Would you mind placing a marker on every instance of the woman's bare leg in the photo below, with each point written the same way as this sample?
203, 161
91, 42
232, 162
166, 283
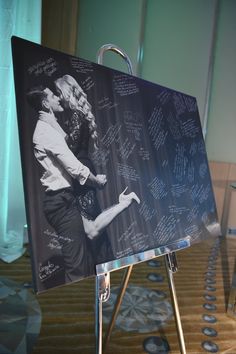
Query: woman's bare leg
94, 228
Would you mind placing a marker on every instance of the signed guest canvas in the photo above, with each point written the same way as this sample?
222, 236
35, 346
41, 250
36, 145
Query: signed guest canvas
113, 165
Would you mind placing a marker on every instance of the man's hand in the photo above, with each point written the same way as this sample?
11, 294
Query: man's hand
97, 181
101, 180
47, 117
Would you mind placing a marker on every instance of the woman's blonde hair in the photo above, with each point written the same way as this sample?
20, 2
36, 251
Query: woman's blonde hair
71, 92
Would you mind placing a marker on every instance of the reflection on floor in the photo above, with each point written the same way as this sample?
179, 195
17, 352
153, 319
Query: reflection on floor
142, 310
20, 318
145, 323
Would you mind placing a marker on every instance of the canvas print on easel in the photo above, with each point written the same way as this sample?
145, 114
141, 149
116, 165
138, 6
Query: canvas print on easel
112, 165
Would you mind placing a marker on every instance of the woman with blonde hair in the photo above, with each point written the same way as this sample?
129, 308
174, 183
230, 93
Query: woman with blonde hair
81, 129
74, 98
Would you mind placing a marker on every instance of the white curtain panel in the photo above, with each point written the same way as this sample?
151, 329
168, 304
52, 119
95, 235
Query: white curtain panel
23, 19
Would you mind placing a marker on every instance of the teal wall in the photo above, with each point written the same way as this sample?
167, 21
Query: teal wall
114, 21
177, 45
176, 38
221, 133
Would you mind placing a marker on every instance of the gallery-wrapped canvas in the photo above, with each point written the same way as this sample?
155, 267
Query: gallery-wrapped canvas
113, 165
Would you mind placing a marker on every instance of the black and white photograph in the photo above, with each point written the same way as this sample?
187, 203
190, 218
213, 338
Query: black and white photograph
113, 165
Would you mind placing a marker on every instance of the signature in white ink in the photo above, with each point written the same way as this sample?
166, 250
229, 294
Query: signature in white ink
55, 236
45, 271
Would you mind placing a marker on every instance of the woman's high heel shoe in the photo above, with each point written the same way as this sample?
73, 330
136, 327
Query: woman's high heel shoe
128, 197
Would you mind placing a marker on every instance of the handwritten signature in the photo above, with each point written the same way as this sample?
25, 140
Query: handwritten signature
45, 271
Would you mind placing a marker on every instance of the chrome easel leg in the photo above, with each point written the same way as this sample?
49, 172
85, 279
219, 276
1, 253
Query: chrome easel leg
172, 267
123, 286
102, 293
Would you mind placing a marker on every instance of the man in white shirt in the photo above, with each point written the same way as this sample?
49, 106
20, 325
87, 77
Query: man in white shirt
60, 166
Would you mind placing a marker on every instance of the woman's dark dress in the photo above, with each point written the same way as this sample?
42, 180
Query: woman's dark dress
77, 129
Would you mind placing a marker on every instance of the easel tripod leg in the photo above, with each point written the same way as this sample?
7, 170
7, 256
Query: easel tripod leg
102, 293
98, 318
119, 299
172, 267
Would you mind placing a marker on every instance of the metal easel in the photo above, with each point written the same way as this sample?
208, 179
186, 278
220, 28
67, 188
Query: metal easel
102, 291
103, 280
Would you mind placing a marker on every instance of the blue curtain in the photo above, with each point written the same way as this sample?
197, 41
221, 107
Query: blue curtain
23, 19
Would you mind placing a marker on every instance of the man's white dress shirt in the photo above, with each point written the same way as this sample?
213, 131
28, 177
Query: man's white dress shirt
52, 152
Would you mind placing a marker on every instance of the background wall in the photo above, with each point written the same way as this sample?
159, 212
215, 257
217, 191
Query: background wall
170, 43
117, 22
177, 45
221, 134
59, 24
